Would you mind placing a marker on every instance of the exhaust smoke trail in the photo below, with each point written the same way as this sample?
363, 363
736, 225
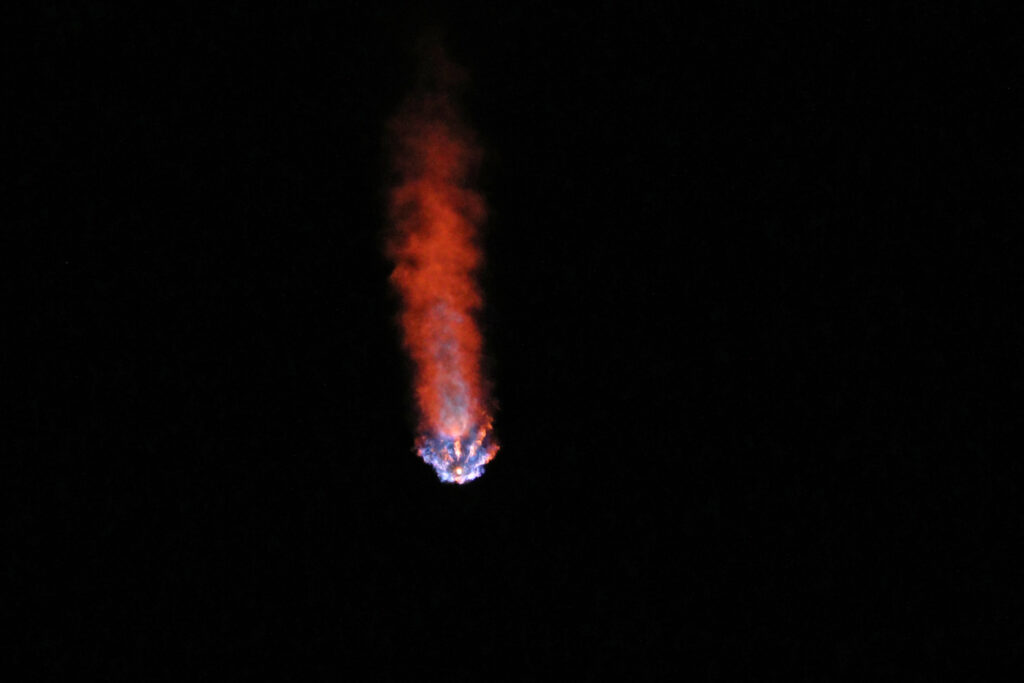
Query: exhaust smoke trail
434, 243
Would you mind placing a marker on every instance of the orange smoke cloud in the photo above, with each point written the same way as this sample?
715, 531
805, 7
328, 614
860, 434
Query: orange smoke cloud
434, 244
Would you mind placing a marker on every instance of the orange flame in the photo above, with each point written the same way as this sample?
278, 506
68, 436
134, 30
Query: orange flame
435, 218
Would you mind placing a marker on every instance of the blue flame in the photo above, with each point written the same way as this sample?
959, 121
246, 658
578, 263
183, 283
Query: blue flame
457, 459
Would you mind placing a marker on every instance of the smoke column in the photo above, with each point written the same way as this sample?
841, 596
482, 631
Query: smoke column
434, 243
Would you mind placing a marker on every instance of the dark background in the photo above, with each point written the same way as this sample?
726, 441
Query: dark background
748, 317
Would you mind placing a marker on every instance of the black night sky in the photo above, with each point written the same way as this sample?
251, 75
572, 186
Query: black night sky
748, 321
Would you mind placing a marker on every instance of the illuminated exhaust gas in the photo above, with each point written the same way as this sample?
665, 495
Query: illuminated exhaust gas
434, 243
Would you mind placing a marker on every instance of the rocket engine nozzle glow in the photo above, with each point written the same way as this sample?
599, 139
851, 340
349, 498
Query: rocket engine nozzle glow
458, 459
434, 242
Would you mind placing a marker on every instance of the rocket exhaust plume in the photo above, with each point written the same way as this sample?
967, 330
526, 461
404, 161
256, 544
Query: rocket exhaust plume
433, 241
